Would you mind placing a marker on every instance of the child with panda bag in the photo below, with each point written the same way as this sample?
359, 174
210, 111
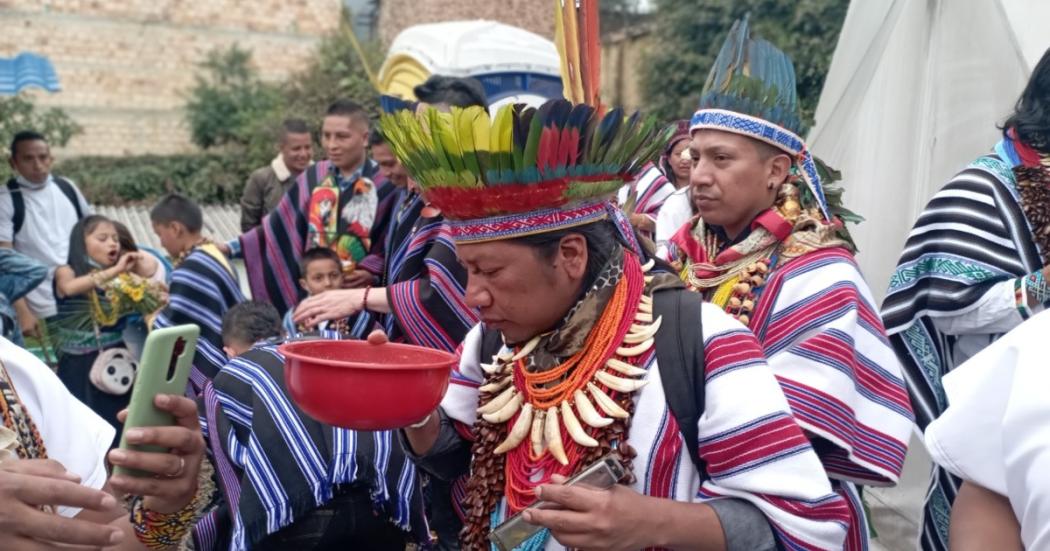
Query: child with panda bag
94, 361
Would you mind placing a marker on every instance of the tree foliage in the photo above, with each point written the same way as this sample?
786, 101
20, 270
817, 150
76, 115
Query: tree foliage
688, 35
231, 108
18, 113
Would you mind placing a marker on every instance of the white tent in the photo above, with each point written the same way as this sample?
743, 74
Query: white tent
914, 93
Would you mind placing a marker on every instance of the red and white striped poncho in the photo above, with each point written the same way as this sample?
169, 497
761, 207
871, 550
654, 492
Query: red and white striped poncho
753, 448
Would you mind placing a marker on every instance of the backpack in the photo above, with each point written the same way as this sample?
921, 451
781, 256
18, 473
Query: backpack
19, 203
680, 354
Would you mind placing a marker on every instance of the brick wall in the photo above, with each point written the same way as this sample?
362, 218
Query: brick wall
532, 15
126, 65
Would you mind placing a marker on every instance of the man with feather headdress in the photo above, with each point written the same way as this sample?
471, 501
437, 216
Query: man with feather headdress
564, 367
769, 247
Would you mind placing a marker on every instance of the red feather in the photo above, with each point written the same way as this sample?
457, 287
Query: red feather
590, 51
546, 157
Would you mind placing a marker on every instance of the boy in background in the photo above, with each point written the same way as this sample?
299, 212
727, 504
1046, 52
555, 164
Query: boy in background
321, 271
203, 284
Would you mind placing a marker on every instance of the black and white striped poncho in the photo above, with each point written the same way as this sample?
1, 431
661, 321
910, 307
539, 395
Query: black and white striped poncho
972, 235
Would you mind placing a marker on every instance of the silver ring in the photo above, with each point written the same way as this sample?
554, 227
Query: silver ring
181, 469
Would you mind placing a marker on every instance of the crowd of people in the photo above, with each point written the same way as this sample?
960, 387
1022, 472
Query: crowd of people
687, 299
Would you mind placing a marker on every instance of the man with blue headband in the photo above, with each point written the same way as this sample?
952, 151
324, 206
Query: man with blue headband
770, 248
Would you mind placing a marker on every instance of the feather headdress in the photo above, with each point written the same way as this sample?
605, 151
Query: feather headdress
751, 91
527, 170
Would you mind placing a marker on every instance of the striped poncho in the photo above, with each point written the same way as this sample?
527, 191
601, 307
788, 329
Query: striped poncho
425, 283
953, 293
203, 287
651, 189
273, 249
819, 328
276, 464
752, 447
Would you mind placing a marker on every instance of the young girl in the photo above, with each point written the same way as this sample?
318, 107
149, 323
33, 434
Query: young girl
87, 324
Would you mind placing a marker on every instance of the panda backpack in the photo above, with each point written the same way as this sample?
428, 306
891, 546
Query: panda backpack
113, 371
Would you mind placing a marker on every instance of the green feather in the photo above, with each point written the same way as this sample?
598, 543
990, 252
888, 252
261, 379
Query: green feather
533, 143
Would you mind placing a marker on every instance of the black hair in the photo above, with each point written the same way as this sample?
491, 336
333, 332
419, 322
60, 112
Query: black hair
250, 322
1031, 117
347, 108
292, 126
453, 91
78, 258
315, 254
601, 237
25, 136
375, 137
174, 207
127, 241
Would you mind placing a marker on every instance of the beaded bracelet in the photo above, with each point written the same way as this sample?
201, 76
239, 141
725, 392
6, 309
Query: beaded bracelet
161, 530
165, 530
1037, 288
364, 300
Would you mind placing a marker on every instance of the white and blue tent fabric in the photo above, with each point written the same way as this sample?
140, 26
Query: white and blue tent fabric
915, 92
24, 70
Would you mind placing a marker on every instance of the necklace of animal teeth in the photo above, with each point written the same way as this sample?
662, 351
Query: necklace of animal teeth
580, 397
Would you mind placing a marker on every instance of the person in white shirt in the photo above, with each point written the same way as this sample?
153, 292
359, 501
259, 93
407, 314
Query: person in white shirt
54, 487
37, 212
995, 435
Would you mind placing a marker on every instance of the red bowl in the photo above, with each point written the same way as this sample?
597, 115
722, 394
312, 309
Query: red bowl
362, 386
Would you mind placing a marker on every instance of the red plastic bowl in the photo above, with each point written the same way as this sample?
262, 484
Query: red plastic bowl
362, 386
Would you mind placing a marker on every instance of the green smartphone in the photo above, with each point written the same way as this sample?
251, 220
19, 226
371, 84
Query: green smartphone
164, 369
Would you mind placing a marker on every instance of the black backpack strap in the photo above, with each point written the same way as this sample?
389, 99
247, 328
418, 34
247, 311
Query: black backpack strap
18, 203
680, 356
71, 193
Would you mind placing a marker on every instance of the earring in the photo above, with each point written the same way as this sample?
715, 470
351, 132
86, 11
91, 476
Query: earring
772, 185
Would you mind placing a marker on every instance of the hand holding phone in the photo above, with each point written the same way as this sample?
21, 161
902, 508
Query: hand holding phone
601, 475
164, 369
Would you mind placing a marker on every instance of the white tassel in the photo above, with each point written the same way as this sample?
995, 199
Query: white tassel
625, 368
608, 405
538, 446
645, 333
518, 432
619, 383
505, 412
587, 411
498, 402
552, 432
575, 429
496, 386
636, 350
526, 350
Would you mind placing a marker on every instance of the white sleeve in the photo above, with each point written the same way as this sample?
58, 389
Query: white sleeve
994, 313
7, 217
461, 400
995, 431
73, 435
966, 439
675, 212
